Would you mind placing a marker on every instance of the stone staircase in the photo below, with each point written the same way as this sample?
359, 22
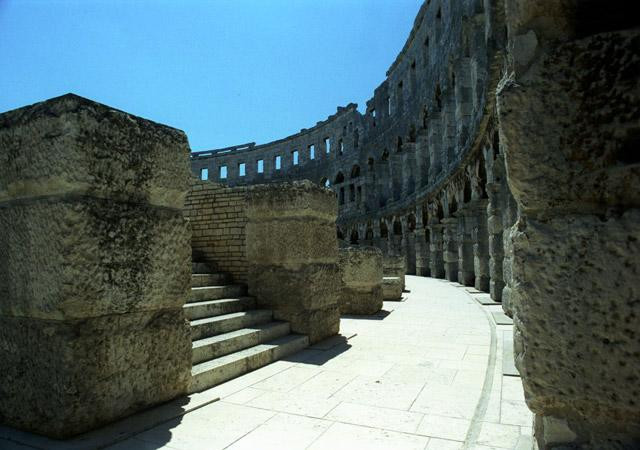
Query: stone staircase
230, 337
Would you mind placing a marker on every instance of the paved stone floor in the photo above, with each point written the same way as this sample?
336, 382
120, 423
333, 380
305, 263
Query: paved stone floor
426, 373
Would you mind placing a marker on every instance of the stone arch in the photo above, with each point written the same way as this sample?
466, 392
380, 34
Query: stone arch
384, 231
411, 222
397, 227
355, 171
339, 178
354, 238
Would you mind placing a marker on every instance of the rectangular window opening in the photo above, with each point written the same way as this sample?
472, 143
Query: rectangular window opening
278, 162
294, 157
327, 145
260, 166
223, 172
312, 152
242, 169
204, 174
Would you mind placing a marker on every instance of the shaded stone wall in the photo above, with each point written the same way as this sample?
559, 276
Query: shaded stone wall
94, 266
569, 121
218, 220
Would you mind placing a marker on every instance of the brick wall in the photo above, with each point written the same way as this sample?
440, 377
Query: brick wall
217, 217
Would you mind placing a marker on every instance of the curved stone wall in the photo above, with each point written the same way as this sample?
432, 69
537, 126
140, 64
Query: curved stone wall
416, 156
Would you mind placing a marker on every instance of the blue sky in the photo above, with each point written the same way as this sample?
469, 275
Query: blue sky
224, 71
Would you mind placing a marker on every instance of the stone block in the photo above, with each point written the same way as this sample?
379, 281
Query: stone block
60, 378
72, 145
395, 266
392, 288
361, 272
86, 257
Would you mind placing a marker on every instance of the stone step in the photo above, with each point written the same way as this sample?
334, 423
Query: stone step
200, 294
211, 308
211, 326
226, 343
210, 279
214, 372
201, 267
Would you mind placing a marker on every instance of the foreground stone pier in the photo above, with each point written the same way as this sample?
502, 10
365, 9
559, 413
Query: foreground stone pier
95, 265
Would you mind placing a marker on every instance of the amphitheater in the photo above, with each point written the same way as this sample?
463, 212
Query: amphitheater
454, 268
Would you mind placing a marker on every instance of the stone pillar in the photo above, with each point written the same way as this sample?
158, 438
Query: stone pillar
95, 265
436, 263
361, 289
576, 241
422, 248
292, 252
496, 251
395, 266
480, 237
509, 213
466, 271
450, 248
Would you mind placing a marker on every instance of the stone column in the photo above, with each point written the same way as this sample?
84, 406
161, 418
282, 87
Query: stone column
95, 265
361, 289
292, 252
576, 241
480, 237
496, 251
436, 263
422, 248
450, 248
466, 273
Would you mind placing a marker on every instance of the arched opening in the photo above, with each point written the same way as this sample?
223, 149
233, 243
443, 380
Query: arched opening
353, 240
324, 181
466, 194
411, 222
369, 233
440, 212
397, 228
453, 205
385, 155
425, 117
482, 175
355, 171
384, 231
340, 234
371, 164
339, 178
399, 145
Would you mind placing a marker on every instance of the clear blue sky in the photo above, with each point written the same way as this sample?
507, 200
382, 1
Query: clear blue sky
224, 71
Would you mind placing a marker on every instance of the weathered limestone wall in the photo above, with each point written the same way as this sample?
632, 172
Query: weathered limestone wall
569, 124
361, 270
218, 221
292, 251
94, 266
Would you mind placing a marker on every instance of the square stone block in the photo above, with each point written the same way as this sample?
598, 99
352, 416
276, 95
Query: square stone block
89, 257
61, 378
72, 145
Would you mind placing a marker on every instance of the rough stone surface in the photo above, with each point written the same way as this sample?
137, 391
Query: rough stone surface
392, 288
81, 374
395, 266
72, 145
292, 252
86, 257
361, 290
95, 266
575, 246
